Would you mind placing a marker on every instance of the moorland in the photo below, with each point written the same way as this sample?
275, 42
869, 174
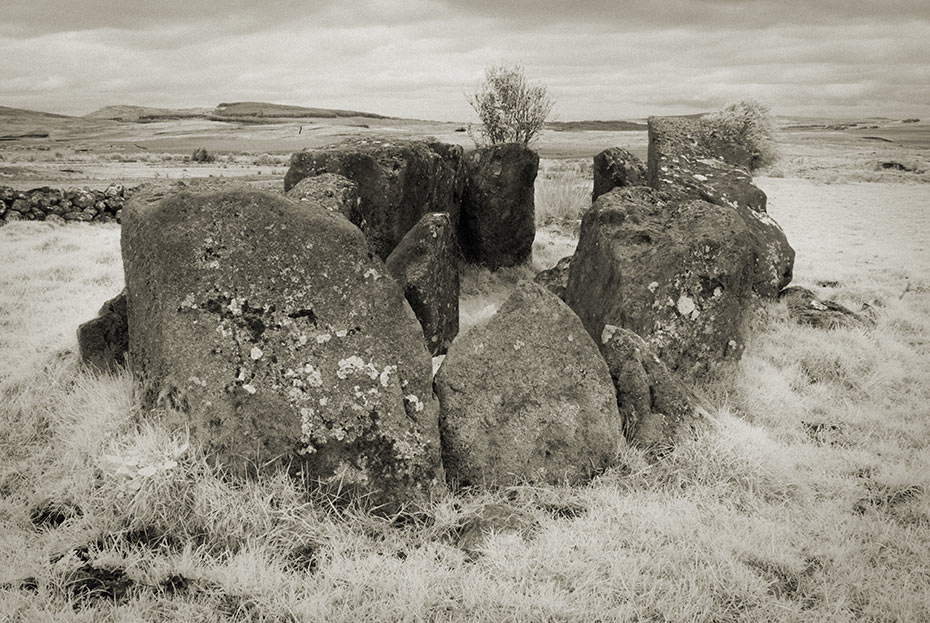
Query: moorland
807, 500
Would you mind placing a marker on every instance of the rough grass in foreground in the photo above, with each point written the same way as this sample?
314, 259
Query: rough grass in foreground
806, 501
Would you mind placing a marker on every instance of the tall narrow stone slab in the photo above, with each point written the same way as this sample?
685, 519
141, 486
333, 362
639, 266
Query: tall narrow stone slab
425, 264
498, 222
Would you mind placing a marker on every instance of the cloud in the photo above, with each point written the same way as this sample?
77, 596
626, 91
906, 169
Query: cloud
416, 59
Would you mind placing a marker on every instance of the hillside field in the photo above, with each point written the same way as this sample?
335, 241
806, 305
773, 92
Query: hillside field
808, 500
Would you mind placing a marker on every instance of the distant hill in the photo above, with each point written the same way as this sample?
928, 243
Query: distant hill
604, 126
21, 113
18, 123
242, 111
146, 113
264, 109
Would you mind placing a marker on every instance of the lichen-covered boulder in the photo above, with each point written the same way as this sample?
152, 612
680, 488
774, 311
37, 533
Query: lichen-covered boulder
328, 190
804, 307
677, 274
526, 397
556, 278
657, 409
614, 167
104, 341
687, 159
268, 329
398, 182
425, 264
498, 222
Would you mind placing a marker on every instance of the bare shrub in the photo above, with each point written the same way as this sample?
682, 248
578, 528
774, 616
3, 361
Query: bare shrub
750, 124
202, 155
510, 108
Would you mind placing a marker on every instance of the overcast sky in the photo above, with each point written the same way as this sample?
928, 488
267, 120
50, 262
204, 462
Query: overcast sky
602, 59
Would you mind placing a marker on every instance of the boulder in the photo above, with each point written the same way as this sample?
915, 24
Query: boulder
328, 190
804, 307
556, 278
268, 329
104, 341
688, 159
498, 212
677, 274
398, 182
657, 409
614, 167
526, 397
425, 264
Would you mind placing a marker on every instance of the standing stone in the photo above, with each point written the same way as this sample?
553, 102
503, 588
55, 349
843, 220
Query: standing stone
614, 167
678, 275
328, 190
527, 397
657, 409
104, 341
268, 330
425, 265
398, 182
688, 158
498, 211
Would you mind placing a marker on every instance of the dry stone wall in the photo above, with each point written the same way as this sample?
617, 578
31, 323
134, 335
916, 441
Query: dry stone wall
55, 204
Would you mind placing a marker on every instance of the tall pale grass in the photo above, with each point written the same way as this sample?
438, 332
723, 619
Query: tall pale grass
562, 191
807, 500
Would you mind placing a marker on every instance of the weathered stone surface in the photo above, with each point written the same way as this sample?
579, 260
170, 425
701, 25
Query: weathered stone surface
328, 190
806, 308
268, 329
657, 409
498, 212
556, 278
614, 167
673, 135
104, 341
425, 264
398, 182
687, 159
526, 397
679, 275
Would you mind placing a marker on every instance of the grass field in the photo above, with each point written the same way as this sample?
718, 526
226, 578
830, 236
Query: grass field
808, 500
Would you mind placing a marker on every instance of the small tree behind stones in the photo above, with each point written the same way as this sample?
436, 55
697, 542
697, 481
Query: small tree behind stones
750, 124
202, 155
511, 110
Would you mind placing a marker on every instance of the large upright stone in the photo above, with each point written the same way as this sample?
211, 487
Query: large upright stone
526, 397
677, 274
398, 182
498, 211
270, 331
688, 158
614, 167
104, 341
425, 264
